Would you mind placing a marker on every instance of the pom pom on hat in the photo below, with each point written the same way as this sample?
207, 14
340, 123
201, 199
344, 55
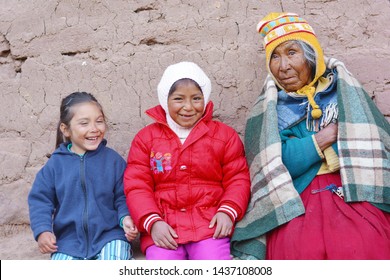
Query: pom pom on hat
277, 28
179, 71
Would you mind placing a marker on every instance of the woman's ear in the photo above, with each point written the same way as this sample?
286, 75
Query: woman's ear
65, 130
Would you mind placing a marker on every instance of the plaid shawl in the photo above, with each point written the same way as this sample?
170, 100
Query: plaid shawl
364, 152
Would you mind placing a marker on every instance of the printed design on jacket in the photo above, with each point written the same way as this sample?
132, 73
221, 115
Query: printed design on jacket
160, 162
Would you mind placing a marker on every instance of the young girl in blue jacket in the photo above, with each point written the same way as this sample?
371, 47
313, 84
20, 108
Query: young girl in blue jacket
77, 204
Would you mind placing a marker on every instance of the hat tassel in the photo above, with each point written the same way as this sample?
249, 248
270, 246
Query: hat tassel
309, 91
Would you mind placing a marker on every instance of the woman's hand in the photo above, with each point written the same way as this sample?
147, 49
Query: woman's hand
130, 229
163, 235
327, 136
47, 243
224, 225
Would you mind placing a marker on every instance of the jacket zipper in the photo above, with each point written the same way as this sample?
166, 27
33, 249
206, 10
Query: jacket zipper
85, 212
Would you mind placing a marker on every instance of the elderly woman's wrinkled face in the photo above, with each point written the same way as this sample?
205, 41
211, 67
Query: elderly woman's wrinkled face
289, 66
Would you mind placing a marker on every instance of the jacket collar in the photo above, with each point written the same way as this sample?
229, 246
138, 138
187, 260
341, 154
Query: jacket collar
158, 114
63, 149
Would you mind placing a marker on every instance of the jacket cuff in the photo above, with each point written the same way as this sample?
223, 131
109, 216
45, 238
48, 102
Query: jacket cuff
149, 221
320, 153
121, 221
230, 211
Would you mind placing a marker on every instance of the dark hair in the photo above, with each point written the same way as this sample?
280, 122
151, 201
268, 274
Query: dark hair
66, 112
181, 82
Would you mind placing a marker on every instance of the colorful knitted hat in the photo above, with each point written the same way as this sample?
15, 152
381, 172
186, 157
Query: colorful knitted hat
179, 71
277, 28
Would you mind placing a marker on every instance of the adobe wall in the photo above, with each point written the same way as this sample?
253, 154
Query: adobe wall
117, 50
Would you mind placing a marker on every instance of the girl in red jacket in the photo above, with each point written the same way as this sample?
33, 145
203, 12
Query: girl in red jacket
187, 179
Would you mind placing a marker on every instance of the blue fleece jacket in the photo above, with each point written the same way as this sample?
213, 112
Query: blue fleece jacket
80, 199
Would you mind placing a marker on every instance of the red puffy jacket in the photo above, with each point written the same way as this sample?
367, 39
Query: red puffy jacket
186, 183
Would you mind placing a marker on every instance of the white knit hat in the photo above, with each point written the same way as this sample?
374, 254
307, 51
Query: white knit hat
179, 71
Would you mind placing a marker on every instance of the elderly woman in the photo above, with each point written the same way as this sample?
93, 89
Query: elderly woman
318, 150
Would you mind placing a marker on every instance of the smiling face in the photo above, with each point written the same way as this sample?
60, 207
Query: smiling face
186, 103
86, 129
289, 66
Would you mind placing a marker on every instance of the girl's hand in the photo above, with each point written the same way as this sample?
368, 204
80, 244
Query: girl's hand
47, 243
130, 229
224, 225
163, 235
